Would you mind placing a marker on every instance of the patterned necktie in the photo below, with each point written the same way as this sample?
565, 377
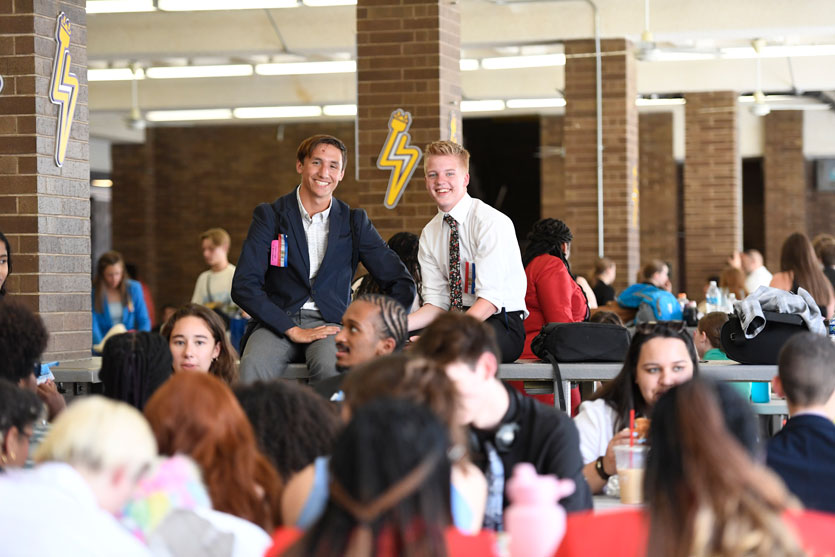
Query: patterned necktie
456, 301
494, 508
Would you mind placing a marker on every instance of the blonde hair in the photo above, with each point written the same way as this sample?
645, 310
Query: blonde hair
218, 236
100, 434
447, 148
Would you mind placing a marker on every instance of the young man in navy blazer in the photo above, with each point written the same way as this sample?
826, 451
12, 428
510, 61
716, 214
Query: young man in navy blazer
803, 452
295, 269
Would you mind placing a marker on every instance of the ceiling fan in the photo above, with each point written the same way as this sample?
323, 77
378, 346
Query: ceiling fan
135, 120
649, 50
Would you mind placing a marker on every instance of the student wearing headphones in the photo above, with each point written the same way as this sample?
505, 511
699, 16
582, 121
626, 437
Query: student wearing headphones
505, 427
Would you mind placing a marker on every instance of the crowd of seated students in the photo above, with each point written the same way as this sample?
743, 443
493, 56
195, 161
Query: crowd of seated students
384, 453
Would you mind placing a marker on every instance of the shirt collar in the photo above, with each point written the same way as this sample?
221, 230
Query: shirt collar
318, 217
461, 209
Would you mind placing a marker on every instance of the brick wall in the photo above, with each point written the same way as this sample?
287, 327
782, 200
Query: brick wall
45, 209
185, 180
552, 167
620, 160
784, 170
407, 57
659, 190
712, 186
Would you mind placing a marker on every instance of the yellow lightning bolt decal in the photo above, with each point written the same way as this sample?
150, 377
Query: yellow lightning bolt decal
399, 156
64, 91
453, 128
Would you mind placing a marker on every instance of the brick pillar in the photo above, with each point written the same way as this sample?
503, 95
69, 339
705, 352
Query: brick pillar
712, 186
552, 167
659, 191
785, 181
620, 155
44, 208
407, 57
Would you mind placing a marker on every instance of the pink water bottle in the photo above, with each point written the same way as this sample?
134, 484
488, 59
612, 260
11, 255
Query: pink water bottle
534, 519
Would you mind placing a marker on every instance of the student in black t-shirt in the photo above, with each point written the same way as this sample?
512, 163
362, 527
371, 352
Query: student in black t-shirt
604, 275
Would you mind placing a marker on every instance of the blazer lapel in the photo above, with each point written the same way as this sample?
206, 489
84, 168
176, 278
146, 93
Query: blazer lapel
294, 217
336, 218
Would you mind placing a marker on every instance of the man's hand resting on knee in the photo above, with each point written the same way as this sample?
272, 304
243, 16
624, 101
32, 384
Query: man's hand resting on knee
306, 336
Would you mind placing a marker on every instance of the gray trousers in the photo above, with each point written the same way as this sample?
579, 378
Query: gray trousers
266, 354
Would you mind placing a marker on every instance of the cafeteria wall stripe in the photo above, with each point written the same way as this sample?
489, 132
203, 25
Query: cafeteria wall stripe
712, 185
407, 58
784, 170
45, 208
659, 191
620, 155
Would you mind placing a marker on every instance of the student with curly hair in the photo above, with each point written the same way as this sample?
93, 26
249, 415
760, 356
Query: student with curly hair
197, 339
133, 366
553, 294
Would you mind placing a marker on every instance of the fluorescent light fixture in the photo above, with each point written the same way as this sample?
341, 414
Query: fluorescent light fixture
119, 6
327, 3
661, 55
178, 72
468, 64
188, 115
277, 112
511, 62
300, 68
205, 5
114, 74
769, 98
339, 110
778, 51
555, 102
658, 102
102, 183
482, 106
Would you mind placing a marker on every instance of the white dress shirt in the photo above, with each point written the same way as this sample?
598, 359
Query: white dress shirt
488, 239
316, 230
758, 277
595, 423
51, 511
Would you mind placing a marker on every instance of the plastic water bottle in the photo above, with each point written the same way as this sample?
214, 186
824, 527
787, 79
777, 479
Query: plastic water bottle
713, 298
534, 519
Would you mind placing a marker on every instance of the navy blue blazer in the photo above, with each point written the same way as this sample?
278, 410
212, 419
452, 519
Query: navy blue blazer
803, 454
272, 295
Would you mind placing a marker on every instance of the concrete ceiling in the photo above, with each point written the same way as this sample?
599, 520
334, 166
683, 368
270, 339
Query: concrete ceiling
487, 29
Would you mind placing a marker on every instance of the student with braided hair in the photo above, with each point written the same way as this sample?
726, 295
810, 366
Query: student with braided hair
133, 366
553, 295
373, 325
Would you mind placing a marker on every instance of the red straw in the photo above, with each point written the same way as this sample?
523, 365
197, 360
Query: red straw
631, 427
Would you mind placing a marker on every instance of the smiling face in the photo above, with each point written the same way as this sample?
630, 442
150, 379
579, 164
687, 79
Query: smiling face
192, 345
664, 362
320, 174
446, 180
359, 339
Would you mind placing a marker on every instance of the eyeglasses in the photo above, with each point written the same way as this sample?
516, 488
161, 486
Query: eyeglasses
653, 327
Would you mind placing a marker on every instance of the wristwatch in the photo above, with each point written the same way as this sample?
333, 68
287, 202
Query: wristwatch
598, 466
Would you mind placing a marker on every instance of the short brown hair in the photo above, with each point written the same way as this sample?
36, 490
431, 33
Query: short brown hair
805, 369
456, 336
711, 325
654, 266
826, 252
307, 146
447, 148
218, 236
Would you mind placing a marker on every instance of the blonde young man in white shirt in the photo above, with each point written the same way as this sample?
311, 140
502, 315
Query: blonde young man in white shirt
492, 278
214, 286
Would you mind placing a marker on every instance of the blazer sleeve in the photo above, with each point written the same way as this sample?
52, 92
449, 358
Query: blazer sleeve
383, 263
251, 271
140, 310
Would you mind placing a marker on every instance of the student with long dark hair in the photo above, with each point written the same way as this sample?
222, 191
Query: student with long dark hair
800, 268
389, 491
660, 356
116, 298
197, 339
553, 295
133, 366
405, 245
5, 263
